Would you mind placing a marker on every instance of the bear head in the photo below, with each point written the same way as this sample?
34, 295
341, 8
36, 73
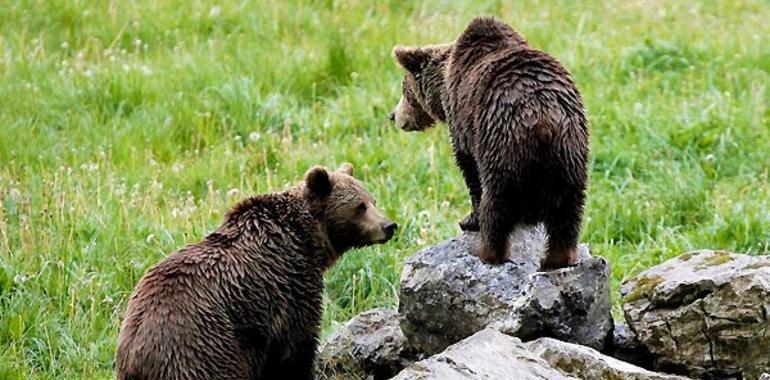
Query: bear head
421, 104
347, 211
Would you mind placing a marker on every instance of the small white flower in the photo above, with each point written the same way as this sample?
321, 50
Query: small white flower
232, 192
146, 70
177, 167
20, 279
150, 238
88, 73
107, 299
89, 166
65, 45
638, 107
126, 67
445, 204
254, 136
14, 193
215, 11
237, 137
137, 42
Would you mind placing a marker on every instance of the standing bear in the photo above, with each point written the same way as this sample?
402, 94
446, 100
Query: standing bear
518, 128
245, 303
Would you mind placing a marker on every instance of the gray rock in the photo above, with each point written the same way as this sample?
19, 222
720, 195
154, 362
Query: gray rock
625, 347
371, 345
704, 313
448, 294
486, 355
587, 363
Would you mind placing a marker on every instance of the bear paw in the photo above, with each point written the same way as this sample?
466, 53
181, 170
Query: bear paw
470, 223
554, 260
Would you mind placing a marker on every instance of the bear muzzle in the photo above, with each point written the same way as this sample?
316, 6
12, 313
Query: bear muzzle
390, 229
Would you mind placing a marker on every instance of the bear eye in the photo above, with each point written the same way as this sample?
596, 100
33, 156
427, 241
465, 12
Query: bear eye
361, 207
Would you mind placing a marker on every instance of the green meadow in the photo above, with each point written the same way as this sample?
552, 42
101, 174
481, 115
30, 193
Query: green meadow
127, 130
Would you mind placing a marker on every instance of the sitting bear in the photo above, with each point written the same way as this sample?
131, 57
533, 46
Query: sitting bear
518, 128
245, 303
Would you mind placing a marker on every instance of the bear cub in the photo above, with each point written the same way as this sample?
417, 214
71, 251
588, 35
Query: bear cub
518, 129
246, 302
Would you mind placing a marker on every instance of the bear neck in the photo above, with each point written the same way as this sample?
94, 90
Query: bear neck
297, 217
436, 94
327, 251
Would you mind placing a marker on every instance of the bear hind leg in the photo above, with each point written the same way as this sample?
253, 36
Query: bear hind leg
563, 227
497, 220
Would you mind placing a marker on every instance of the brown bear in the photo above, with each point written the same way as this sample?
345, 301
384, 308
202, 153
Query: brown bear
519, 133
245, 303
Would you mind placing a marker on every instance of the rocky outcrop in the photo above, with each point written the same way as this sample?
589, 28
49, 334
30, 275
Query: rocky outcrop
704, 314
487, 354
587, 363
371, 345
448, 294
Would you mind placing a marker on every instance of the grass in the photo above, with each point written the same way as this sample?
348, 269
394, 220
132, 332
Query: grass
128, 128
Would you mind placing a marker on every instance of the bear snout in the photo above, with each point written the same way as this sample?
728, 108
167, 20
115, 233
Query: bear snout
392, 116
390, 229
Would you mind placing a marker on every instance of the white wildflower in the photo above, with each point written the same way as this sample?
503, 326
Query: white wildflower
215, 11
232, 192
150, 238
65, 45
254, 136
177, 167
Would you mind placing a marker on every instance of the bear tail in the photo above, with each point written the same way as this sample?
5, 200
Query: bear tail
489, 32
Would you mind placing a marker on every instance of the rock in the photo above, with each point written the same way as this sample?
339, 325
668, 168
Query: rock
487, 354
625, 347
587, 363
570, 304
448, 294
704, 314
371, 345
764, 376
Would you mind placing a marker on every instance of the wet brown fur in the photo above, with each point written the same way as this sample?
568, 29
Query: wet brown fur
246, 302
519, 133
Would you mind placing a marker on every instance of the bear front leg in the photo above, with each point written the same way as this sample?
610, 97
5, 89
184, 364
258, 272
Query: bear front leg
467, 165
563, 227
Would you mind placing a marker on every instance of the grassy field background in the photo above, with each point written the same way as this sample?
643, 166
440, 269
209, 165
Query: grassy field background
127, 129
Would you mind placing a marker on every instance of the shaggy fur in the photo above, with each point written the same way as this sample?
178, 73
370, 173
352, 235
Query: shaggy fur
245, 303
518, 129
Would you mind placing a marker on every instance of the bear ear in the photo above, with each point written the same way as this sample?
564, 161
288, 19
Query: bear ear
346, 168
317, 180
412, 59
